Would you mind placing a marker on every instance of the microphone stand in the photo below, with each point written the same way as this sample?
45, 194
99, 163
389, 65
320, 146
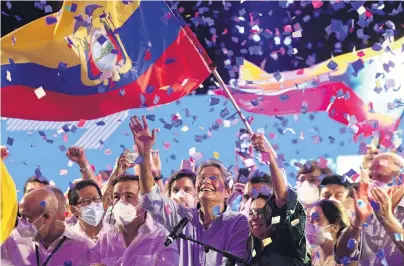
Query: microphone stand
232, 258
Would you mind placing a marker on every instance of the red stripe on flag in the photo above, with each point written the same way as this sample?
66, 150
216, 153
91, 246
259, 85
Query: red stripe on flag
21, 101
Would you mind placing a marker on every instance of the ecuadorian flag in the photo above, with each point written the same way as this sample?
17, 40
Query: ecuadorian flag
95, 58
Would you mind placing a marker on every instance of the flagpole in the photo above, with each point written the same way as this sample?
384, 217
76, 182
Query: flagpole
233, 101
231, 98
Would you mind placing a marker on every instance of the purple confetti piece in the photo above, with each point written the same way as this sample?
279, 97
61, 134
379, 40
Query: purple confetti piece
48, 9
100, 123
380, 253
351, 243
332, 65
9, 5
170, 61
375, 205
214, 101
73, 8
278, 76
122, 92
139, 160
62, 66
71, 185
150, 117
10, 141
62, 148
42, 203
216, 210
102, 39
314, 216
51, 20
170, 90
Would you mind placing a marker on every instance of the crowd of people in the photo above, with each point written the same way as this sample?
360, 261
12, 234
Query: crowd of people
116, 218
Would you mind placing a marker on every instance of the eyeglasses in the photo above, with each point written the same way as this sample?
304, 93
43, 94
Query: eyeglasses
86, 202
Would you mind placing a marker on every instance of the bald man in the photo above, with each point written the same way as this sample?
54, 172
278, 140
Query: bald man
43, 239
375, 236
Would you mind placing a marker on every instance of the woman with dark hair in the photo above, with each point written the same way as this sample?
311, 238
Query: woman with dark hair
277, 235
181, 188
326, 221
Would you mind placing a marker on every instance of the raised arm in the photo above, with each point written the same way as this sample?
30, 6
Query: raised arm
277, 175
384, 214
121, 165
144, 142
362, 211
163, 209
78, 155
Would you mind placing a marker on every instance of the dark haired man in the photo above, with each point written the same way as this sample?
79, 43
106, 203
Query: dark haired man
137, 239
85, 201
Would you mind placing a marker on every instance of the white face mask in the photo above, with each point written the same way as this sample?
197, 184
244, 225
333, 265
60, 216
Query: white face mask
307, 193
316, 234
188, 198
93, 213
124, 212
27, 229
376, 184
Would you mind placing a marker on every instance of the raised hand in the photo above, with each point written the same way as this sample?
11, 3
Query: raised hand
77, 155
371, 153
156, 163
123, 163
384, 210
362, 205
144, 141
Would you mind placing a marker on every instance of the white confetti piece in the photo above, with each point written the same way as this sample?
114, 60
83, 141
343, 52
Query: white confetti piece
52, 183
40, 93
184, 82
294, 222
63, 172
184, 129
192, 151
8, 77
70, 163
297, 34
276, 220
226, 123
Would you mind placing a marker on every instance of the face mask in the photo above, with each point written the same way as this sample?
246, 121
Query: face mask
307, 193
188, 197
27, 229
93, 213
316, 234
376, 184
124, 212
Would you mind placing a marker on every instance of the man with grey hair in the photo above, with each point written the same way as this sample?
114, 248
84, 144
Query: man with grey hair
212, 222
375, 236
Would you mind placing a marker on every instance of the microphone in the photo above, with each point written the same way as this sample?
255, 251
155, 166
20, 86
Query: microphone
176, 231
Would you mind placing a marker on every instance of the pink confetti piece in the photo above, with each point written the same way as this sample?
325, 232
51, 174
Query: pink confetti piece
167, 209
81, 123
63, 172
108, 152
65, 137
167, 145
322, 163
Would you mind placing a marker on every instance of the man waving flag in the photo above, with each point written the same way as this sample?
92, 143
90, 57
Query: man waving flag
96, 58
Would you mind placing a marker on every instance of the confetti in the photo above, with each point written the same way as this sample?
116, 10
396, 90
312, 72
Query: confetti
40, 93
276, 220
294, 222
8, 76
42, 203
167, 145
100, 123
398, 237
216, 210
266, 241
139, 160
10, 141
108, 152
63, 172
167, 209
51, 20
216, 155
